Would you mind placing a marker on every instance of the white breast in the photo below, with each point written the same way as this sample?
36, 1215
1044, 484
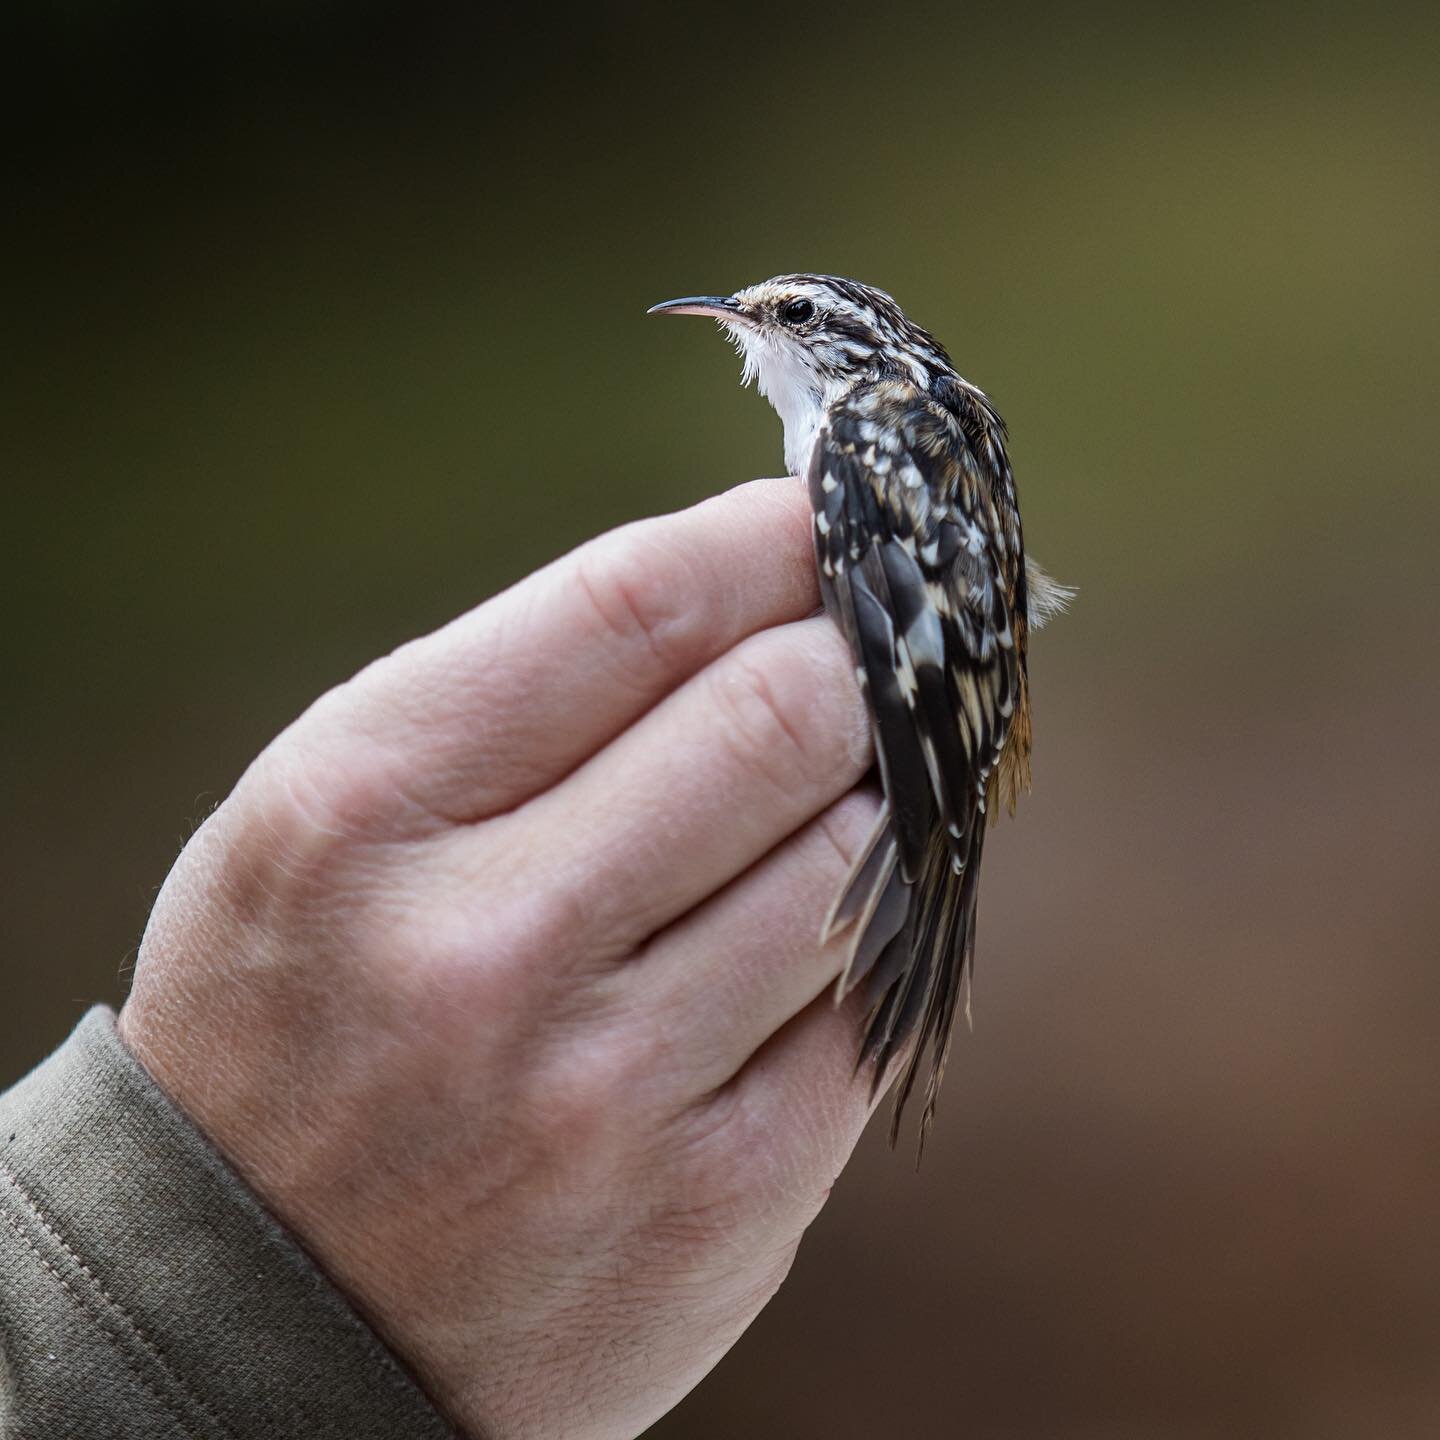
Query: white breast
790, 388
783, 377
800, 436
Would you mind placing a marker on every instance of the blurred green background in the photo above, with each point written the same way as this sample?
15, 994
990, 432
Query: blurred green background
324, 321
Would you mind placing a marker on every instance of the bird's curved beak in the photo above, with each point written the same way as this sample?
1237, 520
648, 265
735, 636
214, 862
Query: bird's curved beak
718, 307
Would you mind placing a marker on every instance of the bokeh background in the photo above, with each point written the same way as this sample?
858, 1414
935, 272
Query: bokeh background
324, 321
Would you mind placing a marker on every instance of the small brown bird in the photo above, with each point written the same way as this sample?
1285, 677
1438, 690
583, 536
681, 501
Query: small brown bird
922, 565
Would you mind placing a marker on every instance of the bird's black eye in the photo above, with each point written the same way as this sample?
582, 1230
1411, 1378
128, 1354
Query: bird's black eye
797, 312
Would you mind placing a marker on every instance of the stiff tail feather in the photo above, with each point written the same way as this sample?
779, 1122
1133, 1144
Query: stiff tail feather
911, 945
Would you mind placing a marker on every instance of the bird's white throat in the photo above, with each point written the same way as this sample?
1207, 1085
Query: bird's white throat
783, 374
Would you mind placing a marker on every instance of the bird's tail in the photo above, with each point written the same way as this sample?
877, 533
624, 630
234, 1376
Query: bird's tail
912, 947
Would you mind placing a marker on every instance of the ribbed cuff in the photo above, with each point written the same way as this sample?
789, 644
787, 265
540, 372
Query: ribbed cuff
144, 1291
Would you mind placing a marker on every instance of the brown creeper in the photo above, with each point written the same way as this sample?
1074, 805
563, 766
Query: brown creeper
922, 565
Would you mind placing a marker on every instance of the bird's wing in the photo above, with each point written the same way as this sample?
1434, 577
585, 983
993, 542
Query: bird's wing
917, 564
920, 563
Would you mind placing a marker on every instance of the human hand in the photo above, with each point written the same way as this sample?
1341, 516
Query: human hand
497, 976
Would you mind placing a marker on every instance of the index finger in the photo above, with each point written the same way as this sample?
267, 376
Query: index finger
508, 699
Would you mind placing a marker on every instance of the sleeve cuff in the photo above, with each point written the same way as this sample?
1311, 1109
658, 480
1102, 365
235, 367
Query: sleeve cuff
145, 1291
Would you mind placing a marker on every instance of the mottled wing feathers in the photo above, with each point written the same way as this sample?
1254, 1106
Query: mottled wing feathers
921, 563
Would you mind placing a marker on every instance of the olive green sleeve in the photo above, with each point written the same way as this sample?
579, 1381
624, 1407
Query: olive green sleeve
145, 1292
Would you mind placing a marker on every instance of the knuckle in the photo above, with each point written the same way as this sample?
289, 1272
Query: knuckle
708, 1134
587, 1096
759, 721
294, 835
843, 829
739, 1174
464, 970
334, 768
531, 914
314, 825
341, 801
775, 717
636, 593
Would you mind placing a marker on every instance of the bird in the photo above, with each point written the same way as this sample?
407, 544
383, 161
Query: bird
922, 565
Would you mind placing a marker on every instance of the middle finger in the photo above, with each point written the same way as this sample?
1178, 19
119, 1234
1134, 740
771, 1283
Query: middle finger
703, 786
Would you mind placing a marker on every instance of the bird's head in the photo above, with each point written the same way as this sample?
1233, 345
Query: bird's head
816, 335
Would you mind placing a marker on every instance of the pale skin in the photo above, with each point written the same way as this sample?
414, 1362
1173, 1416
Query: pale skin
497, 976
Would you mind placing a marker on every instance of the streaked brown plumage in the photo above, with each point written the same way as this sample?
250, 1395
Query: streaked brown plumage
922, 564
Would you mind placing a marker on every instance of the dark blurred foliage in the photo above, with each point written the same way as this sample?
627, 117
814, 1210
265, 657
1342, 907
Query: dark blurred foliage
323, 321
